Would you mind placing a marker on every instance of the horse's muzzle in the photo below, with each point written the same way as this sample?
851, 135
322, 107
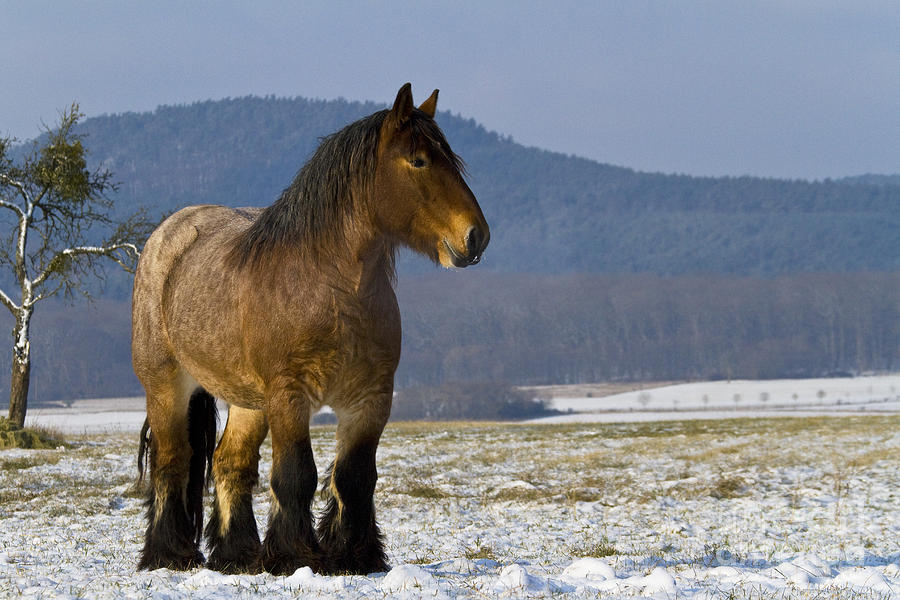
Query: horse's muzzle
476, 242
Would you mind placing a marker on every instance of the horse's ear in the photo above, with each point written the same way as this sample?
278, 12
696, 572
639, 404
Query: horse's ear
430, 106
403, 105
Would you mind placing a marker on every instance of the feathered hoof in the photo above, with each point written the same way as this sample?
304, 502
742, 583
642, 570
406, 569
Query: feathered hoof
356, 563
181, 562
234, 566
285, 565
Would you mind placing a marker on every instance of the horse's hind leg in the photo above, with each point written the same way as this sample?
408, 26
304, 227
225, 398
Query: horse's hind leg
182, 435
347, 530
231, 532
290, 541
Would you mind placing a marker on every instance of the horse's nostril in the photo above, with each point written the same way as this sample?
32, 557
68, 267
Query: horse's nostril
474, 237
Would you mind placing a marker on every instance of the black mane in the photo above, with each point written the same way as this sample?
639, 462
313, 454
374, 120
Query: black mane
330, 185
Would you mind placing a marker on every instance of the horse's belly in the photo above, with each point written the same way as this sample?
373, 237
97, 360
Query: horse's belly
224, 382
243, 396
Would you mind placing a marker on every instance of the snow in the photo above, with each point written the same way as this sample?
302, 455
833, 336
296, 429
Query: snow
762, 508
406, 577
97, 415
737, 399
866, 578
590, 568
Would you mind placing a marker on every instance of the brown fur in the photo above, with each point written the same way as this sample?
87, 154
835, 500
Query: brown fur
283, 310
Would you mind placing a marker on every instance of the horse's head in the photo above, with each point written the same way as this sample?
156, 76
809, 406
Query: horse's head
422, 199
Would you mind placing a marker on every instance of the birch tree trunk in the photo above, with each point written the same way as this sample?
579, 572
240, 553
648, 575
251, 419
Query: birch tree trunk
21, 370
18, 392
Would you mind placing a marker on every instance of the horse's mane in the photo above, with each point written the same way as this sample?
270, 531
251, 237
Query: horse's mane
311, 212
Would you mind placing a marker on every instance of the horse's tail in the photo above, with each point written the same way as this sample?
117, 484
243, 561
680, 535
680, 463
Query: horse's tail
203, 421
143, 451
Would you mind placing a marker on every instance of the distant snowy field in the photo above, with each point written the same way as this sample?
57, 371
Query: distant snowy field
734, 508
721, 399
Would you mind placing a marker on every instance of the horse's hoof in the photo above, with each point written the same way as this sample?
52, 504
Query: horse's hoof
283, 565
233, 567
232, 557
354, 565
184, 562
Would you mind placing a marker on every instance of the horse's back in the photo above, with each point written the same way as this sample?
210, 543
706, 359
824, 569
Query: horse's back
186, 231
172, 239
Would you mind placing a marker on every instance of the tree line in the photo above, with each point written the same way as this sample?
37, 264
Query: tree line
581, 328
540, 329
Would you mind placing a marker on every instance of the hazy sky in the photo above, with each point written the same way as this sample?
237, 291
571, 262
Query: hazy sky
785, 88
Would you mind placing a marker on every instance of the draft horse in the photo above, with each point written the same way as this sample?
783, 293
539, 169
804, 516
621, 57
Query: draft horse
277, 312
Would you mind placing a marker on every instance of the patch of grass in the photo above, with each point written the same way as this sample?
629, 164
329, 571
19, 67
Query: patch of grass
481, 551
60, 510
12, 436
9, 496
17, 464
523, 493
597, 549
594, 488
137, 489
716, 554
603, 459
712, 451
26, 462
583, 495
728, 486
871, 457
427, 557
423, 490
722, 488
758, 592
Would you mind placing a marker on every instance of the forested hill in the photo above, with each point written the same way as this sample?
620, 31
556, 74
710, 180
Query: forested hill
594, 272
549, 212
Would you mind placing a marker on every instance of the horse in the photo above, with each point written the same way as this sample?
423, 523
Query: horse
278, 312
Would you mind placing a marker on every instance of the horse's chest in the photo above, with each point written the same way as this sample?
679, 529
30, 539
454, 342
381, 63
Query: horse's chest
355, 359
363, 338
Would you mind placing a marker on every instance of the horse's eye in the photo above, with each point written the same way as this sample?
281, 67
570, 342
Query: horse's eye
418, 162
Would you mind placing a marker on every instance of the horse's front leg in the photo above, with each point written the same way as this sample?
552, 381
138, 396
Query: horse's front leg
350, 538
290, 541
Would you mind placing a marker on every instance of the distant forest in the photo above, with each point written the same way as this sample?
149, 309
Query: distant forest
541, 329
594, 272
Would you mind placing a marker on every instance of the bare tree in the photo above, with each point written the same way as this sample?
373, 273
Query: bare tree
55, 210
644, 398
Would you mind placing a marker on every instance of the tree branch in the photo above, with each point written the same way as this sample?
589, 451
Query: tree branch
19, 186
45, 295
12, 207
108, 251
8, 303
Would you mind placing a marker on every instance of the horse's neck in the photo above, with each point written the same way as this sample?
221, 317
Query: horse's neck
360, 270
374, 270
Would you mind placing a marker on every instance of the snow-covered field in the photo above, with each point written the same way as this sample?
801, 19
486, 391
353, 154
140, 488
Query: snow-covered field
720, 399
736, 508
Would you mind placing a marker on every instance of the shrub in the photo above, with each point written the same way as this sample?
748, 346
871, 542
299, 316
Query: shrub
12, 436
485, 401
